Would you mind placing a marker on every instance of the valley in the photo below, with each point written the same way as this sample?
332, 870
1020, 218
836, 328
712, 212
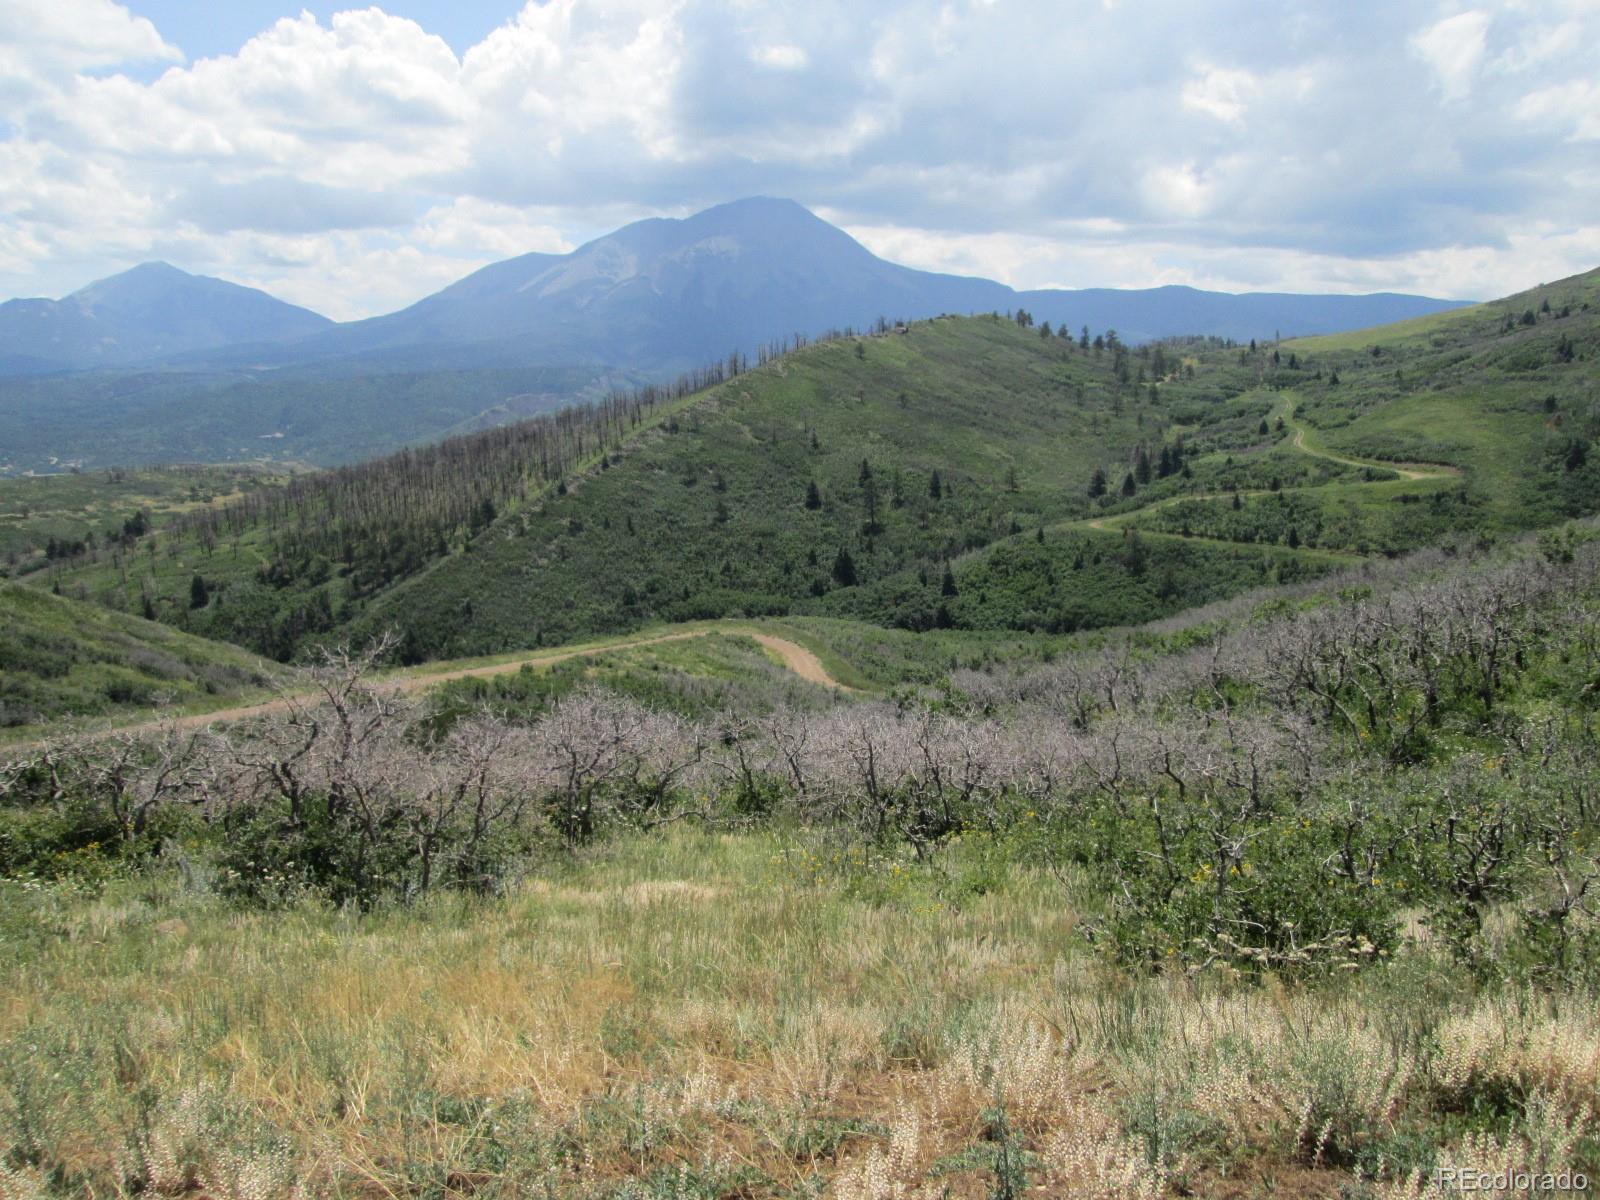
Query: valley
620, 600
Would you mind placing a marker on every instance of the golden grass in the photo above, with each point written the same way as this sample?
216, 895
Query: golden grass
694, 1016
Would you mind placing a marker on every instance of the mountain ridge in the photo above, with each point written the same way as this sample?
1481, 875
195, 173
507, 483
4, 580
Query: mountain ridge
662, 294
149, 312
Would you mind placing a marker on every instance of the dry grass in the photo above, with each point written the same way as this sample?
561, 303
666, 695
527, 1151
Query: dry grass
694, 1016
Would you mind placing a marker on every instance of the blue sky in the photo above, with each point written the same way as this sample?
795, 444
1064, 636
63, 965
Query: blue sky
356, 159
213, 27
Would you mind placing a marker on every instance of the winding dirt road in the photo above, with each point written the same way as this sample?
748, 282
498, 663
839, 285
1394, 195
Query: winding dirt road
795, 657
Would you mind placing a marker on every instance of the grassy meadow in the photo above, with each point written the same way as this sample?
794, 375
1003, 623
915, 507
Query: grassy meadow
744, 1014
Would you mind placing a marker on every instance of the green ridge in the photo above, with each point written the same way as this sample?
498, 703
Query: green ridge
60, 657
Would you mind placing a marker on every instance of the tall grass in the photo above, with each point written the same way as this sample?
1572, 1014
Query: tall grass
688, 1014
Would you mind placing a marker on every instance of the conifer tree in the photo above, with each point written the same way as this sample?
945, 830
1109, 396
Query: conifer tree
844, 569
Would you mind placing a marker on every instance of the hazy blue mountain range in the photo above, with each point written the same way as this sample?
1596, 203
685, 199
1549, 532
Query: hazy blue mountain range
662, 294
157, 365
152, 312
655, 294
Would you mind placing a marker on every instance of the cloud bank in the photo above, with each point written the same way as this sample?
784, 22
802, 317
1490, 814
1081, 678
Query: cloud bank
357, 164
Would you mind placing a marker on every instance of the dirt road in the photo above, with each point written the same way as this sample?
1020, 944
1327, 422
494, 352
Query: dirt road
794, 656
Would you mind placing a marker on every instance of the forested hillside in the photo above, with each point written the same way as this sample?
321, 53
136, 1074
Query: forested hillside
963, 472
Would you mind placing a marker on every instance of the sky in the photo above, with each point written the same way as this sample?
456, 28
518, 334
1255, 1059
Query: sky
356, 159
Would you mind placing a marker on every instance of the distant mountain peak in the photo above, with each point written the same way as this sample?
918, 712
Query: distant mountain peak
157, 266
765, 214
145, 274
150, 311
768, 206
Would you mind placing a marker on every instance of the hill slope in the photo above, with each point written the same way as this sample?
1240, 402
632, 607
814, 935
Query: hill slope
1503, 391
966, 472
59, 657
921, 448
152, 311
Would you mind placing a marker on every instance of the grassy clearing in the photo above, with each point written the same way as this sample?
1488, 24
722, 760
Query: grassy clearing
92, 507
754, 1015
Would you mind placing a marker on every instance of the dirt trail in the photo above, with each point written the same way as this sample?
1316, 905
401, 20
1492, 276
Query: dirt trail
1404, 470
1408, 471
794, 656
798, 659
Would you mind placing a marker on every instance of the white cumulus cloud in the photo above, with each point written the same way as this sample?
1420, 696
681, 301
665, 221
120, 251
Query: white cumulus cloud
1453, 48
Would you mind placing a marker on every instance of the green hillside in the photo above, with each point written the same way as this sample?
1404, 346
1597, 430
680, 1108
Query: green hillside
59, 658
967, 473
1504, 391
841, 480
